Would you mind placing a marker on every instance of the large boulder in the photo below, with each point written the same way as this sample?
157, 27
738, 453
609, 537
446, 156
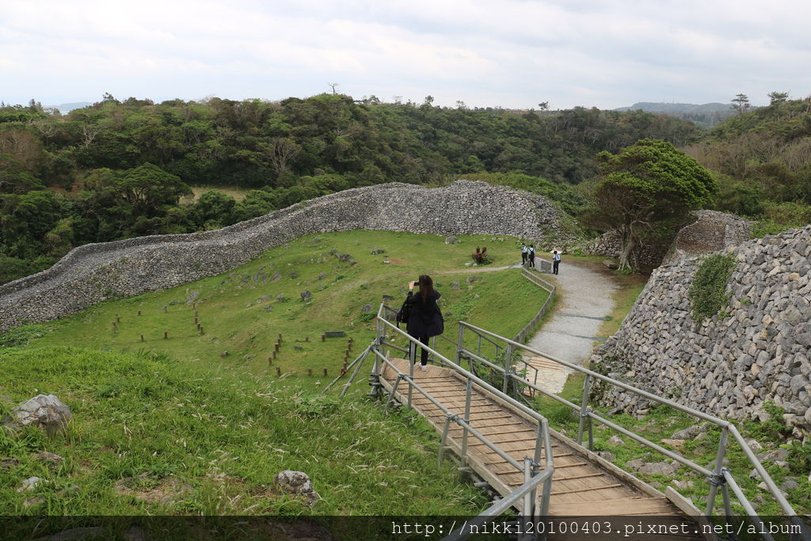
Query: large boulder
44, 410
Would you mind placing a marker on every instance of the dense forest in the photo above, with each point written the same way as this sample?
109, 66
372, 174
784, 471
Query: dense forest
119, 169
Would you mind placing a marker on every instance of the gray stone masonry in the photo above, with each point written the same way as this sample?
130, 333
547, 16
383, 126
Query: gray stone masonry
757, 350
96, 272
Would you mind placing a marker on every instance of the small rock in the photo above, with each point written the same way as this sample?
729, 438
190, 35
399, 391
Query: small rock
297, 482
192, 296
451, 240
306, 295
377, 251
8, 463
678, 444
659, 468
615, 440
29, 484
280, 297
682, 484
754, 445
688, 433
46, 456
366, 309
789, 485
606, 455
33, 502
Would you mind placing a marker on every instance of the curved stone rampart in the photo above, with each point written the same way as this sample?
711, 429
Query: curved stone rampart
757, 350
96, 272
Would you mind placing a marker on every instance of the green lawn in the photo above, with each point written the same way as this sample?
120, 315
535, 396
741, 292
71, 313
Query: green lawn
243, 312
175, 425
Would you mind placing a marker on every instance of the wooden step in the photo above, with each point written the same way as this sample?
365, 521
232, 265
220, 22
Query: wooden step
619, 507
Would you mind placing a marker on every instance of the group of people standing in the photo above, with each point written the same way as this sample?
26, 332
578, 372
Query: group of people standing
528, 257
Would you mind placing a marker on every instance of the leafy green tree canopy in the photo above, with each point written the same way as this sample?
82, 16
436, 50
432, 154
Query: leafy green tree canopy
645, 185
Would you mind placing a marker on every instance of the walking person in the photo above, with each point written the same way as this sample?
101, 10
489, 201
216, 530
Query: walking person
555, 261
531, 255
425, 318
524, 252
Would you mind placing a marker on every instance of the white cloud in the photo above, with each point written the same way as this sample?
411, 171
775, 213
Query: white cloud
511, 53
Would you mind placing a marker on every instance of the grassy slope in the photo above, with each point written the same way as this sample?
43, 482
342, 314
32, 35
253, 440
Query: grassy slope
244, 311
170, 426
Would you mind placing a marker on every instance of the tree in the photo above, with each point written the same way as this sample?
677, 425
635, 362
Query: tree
741, 103
647, 184
777, 97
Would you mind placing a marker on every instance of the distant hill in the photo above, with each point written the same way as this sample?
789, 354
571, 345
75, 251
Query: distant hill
705, 115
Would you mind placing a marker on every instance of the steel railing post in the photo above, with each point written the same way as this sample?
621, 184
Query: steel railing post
412, 359
529, 496
584, 408
444, 442
468, 395
717, 478
508, 354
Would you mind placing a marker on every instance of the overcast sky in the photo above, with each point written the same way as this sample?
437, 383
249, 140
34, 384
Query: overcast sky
508, 53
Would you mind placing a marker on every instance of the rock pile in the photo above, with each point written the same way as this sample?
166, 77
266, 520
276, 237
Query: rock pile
757, 350
97, 272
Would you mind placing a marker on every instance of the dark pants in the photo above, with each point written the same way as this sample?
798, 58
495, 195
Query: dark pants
523, 258
531, 261
555, 267
423, 351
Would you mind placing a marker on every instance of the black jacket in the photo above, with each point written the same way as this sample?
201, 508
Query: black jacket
425, 318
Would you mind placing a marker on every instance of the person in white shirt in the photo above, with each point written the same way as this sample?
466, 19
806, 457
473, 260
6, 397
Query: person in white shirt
555, 261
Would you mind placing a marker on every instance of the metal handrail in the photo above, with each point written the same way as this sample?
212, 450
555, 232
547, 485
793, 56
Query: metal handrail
445, 361
543, 438
525, 331
586, 413
498, 508
645, 394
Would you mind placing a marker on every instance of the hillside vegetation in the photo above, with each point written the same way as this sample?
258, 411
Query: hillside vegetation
763, 163
121, 169
118, 169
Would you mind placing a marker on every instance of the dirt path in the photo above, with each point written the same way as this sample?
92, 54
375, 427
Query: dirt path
586, 299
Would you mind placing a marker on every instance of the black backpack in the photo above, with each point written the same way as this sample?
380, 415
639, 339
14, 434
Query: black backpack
404, 313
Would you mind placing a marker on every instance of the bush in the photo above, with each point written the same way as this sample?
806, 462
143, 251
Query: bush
708, 291
480, 257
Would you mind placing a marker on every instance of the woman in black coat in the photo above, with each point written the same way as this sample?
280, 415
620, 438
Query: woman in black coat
425, 319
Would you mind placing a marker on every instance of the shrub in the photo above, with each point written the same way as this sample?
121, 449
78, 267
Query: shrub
708, 293
480, 257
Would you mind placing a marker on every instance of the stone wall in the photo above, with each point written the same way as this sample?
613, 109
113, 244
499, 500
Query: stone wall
96, 272
731, 364
710, 231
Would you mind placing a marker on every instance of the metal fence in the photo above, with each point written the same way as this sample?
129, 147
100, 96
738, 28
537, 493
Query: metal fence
530, 328
719, 477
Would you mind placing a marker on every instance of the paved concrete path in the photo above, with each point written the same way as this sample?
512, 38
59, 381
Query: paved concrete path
586, 299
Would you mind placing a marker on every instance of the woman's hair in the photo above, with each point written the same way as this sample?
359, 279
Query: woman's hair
426, 287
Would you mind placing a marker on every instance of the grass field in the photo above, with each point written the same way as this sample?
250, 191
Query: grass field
243, 312
175, 425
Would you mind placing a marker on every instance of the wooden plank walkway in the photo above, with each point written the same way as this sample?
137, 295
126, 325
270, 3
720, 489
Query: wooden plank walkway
583, 484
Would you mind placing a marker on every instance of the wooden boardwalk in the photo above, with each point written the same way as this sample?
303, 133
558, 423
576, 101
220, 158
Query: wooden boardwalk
583, 483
